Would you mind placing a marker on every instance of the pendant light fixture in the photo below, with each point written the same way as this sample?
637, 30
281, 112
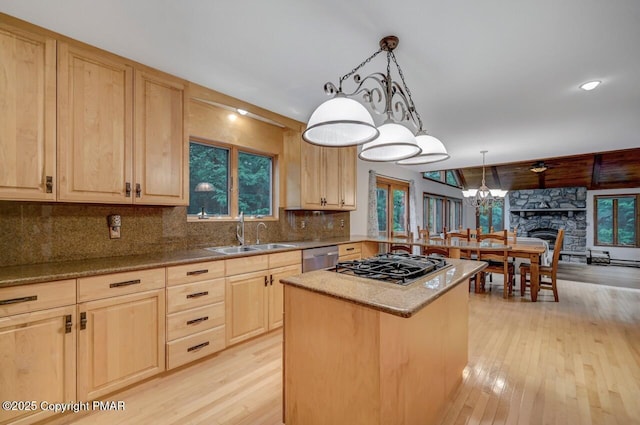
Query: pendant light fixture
483, 196
343, 121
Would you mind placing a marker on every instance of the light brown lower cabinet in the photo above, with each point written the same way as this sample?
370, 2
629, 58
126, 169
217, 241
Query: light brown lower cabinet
195, 311
37, 349
121, 340
254, 300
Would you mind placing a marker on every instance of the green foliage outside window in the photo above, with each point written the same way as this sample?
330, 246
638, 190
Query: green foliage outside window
254, 175
616, 220
208, 164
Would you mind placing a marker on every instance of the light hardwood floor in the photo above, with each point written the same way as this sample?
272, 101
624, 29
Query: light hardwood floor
572, 362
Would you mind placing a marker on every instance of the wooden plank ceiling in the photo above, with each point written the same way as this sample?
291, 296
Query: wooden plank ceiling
602, 170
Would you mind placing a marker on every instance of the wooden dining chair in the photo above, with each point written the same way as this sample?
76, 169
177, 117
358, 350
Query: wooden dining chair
462, 236
402, 247
549, 272
437, 251
423, 233
497, 259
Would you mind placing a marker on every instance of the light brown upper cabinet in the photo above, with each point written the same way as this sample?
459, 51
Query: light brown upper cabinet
321, 178
95, 126
27, 115
161, 156
104, 154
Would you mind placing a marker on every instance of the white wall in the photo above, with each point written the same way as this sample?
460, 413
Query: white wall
615, 253
358, 219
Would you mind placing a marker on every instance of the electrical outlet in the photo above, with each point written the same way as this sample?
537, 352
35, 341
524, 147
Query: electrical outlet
342, 223
303, 224
115, 222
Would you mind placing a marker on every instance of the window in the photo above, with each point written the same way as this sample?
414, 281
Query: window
490, 217
449, 177
441, 212
616, 220
393, 206
221, 165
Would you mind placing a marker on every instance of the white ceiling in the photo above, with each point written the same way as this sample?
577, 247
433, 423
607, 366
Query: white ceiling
498, 75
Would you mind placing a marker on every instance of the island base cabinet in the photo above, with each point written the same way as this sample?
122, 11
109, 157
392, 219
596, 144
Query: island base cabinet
37, 362
345, 363
121, 340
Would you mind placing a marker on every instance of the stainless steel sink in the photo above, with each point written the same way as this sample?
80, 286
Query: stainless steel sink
267, 246
227, 250
232, 249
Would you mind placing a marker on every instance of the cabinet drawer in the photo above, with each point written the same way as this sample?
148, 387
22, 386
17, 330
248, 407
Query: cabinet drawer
193, 347
350, 257
39, 296
195, 320
197, 272
192, 295
349, 248
241, 265
289, 258
112, 285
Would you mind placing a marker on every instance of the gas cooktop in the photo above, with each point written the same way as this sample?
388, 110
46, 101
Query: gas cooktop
400, 268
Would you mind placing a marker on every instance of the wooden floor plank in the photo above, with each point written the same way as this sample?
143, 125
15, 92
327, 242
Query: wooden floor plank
572, 362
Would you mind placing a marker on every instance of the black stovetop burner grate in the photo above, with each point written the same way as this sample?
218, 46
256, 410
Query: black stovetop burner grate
395, 268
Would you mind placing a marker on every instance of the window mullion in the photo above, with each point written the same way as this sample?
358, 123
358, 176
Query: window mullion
235, 184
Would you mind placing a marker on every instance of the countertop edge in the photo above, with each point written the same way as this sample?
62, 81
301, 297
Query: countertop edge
427, 297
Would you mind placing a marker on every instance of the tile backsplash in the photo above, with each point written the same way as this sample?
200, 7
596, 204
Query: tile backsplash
34, 232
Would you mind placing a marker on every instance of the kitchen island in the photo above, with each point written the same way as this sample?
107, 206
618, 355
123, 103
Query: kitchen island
359, 351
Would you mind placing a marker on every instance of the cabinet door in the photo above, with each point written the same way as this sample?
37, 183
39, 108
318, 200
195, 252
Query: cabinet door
121, 342
332, 191
37, 361
276, 293
161, 154
348, 172
246, 306
27, 115
312, 183
95, 101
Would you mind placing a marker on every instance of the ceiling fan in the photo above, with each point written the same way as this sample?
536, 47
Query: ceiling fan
538, 167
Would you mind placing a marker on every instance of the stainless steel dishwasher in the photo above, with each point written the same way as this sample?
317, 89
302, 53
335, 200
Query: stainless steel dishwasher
319, 258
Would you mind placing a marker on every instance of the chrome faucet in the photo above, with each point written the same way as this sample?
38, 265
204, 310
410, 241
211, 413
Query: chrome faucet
258, 231
240, 228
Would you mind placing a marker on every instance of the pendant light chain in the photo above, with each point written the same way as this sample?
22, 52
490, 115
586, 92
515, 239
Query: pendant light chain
406, 89
354, 70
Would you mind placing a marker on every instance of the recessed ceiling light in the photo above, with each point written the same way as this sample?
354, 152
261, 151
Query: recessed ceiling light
242, 111
233, 117
590, 85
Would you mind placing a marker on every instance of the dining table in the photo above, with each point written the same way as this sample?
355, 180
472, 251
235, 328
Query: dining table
531, 252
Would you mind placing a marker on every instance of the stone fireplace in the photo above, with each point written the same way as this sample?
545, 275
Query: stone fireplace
541, 212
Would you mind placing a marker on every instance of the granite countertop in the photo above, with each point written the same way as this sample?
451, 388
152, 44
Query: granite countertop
403, 301
46, 272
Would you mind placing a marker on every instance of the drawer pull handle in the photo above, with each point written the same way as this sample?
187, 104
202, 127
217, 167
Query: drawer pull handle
266, 281
138, 190
198, 294
49, 184
19, 300
67, 324
127, 190
197, 272
197, 347
198, 320
83, 320
350, 249
127, 283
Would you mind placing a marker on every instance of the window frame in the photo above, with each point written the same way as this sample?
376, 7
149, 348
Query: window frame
394, 184
447, 202
614, 198
443, 177
233, 184
490, 217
